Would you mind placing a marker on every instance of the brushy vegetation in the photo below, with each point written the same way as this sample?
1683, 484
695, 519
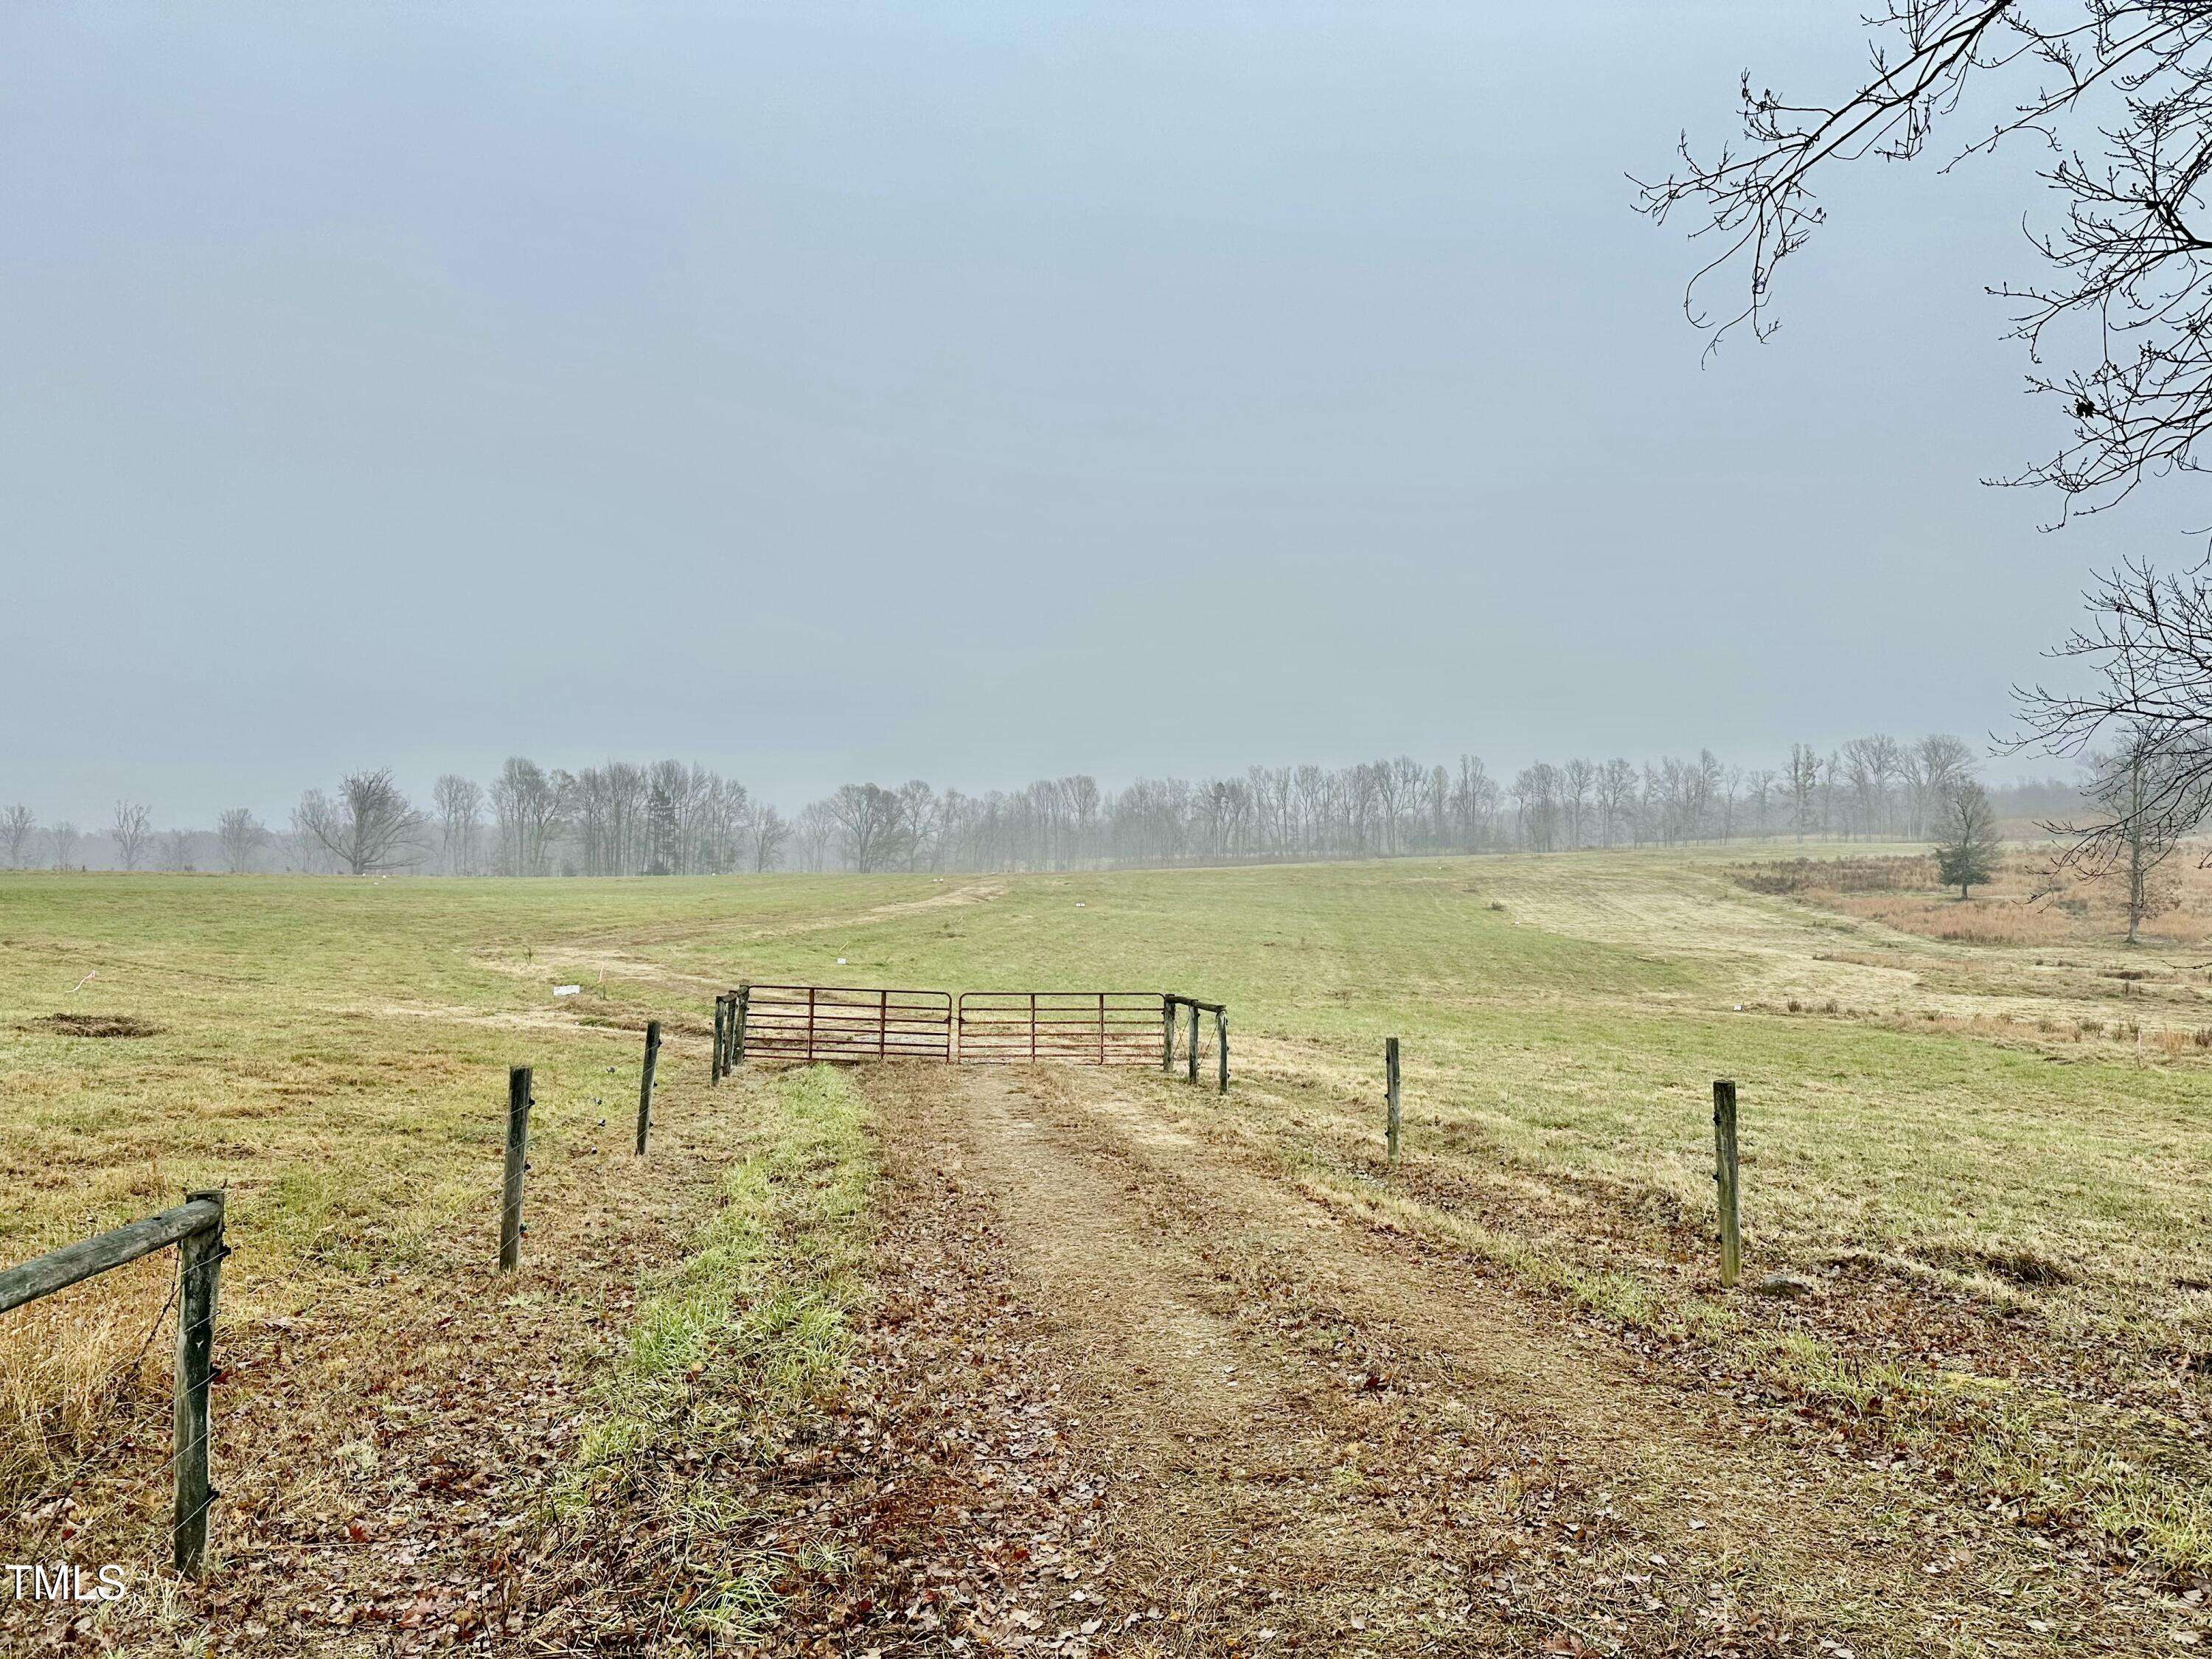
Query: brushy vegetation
2027, 903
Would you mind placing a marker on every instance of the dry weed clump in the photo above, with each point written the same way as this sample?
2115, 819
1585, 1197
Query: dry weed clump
77, 1365
2005, 1025
1795, 876
92, 1025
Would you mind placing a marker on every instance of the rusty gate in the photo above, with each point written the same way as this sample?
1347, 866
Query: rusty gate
842, 1022
1095, 1028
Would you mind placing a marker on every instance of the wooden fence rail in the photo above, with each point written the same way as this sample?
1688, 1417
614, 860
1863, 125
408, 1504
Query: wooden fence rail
194, 1227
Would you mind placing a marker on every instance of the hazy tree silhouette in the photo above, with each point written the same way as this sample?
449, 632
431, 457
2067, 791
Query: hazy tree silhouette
369, 828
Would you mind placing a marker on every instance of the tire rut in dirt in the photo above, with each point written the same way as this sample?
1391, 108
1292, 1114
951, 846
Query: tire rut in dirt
1587, 1487
1263, 1487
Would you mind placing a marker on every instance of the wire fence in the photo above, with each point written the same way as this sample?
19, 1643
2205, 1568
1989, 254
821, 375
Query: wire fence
96, 1496
110, 1387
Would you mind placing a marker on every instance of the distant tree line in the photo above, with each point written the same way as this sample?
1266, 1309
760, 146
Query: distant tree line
667, 817
1873, 787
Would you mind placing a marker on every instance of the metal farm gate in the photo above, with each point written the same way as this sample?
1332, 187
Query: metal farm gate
984, 1027
1095, 1028
841, 1022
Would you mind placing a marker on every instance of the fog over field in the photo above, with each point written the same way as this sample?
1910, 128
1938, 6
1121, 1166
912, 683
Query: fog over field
1120, 832
976, 394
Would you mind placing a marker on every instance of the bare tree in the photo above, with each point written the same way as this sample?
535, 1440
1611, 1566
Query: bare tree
817, 829
1803, 781
1617, 797
1578, 780
19, 828
1536, 793
674, 792
923, 812
133, 829
459, 803
528, 804
771, 832
301, 850
2149, 642
177, 851
1759, 796
873, 822
726, 816
2125, 782
1938, 761
369, 829
2120, 93
240, 835
63, 838
1704, 788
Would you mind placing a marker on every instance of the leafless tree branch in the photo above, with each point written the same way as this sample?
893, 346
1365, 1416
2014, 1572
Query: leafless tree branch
2120, 93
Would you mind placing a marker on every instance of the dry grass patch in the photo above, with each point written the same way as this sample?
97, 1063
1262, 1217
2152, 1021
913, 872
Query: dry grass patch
83, 1369
2029, 903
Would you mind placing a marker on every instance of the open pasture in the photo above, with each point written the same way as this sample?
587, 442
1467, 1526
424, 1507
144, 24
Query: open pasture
1987, 1164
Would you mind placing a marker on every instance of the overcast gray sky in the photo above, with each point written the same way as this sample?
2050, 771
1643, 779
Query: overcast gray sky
971, 391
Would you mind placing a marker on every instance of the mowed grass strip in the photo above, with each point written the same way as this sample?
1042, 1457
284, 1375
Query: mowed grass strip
730, 1363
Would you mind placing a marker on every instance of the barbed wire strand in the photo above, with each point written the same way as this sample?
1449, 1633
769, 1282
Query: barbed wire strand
395, 1254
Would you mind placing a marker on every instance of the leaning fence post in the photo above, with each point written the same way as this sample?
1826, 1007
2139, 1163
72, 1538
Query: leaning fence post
518, 1144
199, 1264
1194, 1043
1167, 1034
1221, 1042
1390, 1095
1725, 1178
645, 1082
740, 1006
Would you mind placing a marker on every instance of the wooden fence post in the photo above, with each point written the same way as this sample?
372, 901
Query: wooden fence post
1725, 1178
1167, 1034
1390, 1080
1221, 1041
518, 1145
721, 1021
645, 1082
739, 1008
199, 1266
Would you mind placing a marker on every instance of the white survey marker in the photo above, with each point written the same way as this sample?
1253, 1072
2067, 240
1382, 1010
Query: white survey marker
566, 990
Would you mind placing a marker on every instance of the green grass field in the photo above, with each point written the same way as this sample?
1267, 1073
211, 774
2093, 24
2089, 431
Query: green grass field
1568, 1014
1985, 1158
